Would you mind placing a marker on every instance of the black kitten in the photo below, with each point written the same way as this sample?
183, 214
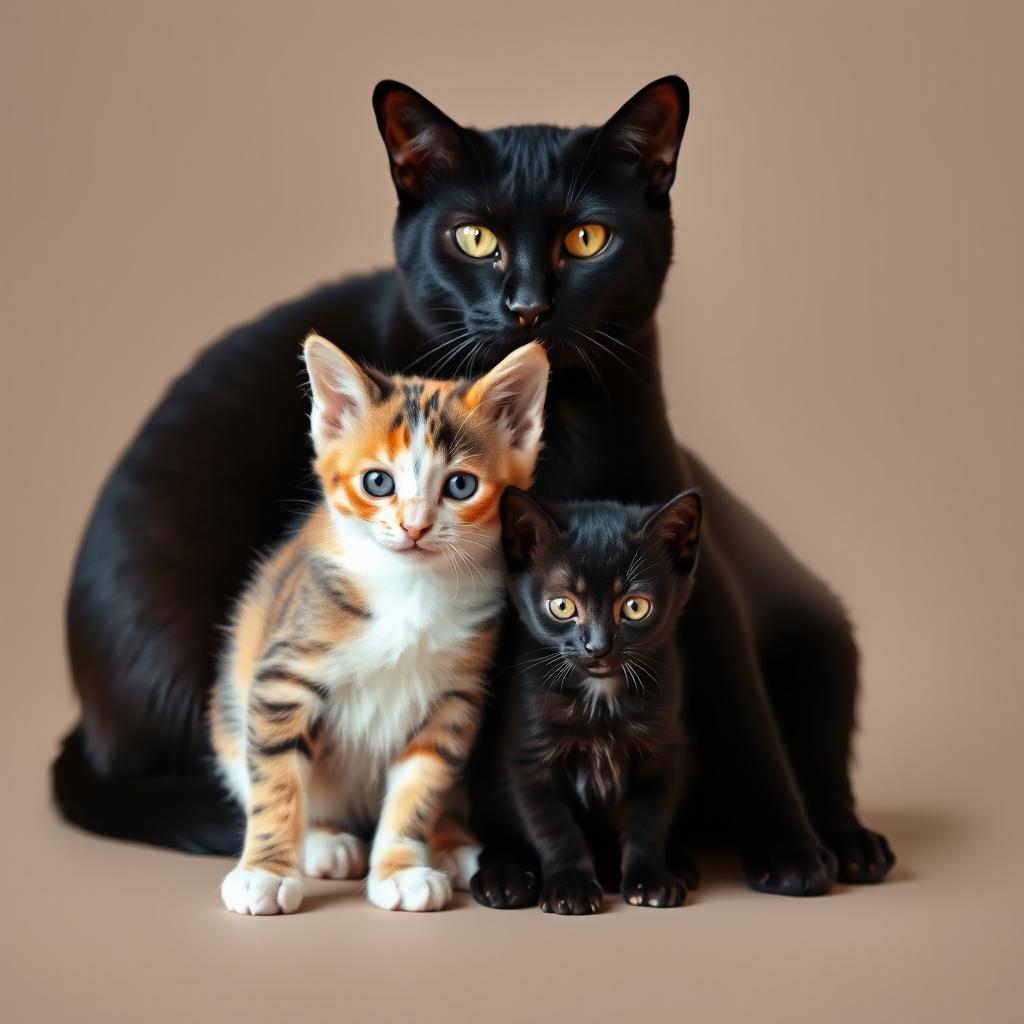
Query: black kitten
591, 747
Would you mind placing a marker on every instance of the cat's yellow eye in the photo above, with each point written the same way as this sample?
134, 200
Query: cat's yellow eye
476, 241
636, 608
562, 608
586, 240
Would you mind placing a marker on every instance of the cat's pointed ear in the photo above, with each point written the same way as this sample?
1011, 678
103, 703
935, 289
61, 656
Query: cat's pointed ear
676, 526
513, 394
525, 527
648, 130
419, 138
342, 390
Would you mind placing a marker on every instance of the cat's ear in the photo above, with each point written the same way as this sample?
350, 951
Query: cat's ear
419, 138
525, 527
342, 390
676, 526
648, 130
512, 395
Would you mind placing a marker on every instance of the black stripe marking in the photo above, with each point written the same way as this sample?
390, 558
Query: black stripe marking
330, 581
298, 743
280, 674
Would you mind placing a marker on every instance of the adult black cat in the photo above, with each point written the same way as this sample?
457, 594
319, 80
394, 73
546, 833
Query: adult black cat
579, 782
501, 236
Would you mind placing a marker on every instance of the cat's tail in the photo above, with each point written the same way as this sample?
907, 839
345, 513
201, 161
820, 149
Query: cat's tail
192, 813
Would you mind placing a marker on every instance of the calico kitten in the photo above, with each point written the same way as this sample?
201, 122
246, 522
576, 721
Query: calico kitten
353, 682
591, 744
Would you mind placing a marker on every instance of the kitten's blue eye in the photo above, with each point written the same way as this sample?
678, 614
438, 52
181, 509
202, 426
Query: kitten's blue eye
461, 486
378, 484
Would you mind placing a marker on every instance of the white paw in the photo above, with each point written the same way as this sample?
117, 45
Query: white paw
460, 865
255, 891
410, 889
333, 856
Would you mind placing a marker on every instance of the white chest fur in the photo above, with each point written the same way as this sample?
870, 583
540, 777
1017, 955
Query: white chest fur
385, 679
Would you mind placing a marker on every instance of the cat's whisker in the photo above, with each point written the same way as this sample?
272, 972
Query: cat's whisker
439, 344
608, 351
629, 348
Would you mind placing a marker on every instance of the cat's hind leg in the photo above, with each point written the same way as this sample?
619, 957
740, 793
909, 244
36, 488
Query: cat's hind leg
454, 851
810, 665
329, 853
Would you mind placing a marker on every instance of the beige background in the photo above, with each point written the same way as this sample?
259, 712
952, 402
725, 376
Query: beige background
843, 340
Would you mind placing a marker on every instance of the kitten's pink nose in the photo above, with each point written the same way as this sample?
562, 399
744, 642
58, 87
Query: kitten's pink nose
415, 519
415, 532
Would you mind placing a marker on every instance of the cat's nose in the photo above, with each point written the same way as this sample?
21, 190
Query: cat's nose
528, 314
415, 532
415, 519
597, 646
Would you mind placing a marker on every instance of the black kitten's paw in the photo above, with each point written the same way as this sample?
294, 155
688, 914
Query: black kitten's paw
864, 856
504, 887
571, 892
649, 886
792, 869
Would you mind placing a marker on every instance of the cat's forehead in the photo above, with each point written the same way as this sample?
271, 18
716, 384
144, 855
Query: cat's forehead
432, 416
600, 547
532, 166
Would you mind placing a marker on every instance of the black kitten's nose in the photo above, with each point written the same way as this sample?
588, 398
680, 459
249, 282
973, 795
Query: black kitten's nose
528, 314
597, 648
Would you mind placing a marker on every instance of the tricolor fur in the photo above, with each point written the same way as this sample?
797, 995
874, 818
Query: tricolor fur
353, 682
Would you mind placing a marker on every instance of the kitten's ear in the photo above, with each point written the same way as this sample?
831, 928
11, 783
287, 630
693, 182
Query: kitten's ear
419, 138
513, 394
525, 527
342, 390
676, 525
648, 129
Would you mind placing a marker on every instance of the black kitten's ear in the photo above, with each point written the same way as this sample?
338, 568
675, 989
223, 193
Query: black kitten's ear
677, 526
649, 129
525, 526
420, 139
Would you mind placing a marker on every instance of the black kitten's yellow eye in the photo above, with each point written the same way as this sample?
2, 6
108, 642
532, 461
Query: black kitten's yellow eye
636, 608
561, 608
586, 240
476, 241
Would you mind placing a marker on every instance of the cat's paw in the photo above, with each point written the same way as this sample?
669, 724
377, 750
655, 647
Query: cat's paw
338, 855
864, 856
460, 865
646, 885
800, 868
410, 889
505, 887
255, 891
571, 892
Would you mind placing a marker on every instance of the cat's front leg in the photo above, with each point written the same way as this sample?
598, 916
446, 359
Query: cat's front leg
650, 800
401, 877
569, 882
268, 879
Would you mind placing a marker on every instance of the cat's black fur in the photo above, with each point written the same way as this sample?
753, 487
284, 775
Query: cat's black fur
579, 781
215, 473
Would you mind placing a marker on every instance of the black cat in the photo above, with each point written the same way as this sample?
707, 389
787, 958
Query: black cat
580, 237
580, 784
